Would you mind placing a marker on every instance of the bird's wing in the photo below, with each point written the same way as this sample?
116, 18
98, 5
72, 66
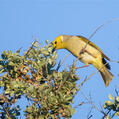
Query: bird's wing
93, 45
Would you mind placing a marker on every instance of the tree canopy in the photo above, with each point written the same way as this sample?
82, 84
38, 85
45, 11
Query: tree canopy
35, 75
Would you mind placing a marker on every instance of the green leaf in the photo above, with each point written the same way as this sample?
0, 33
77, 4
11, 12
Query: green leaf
72, 111
117, 113
36, 45
105, 106
117, 98
111, 97
68, 98
11, 63
9, 52
1, 66
107, 117
7, 91
118, 106
1, 71
109, 103
47, 41
41, 117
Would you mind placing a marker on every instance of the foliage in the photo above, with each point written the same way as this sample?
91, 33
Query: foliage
35, 76
49, 92
112, 107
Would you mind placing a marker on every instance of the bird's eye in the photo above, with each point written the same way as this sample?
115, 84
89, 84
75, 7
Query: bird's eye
55, 42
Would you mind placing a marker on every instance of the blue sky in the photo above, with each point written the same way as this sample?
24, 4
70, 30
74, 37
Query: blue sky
23, 20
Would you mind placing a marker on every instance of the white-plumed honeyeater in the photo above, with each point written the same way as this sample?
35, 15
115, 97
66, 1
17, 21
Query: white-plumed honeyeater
87, 52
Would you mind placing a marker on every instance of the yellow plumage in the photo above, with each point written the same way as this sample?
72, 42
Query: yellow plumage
87, 52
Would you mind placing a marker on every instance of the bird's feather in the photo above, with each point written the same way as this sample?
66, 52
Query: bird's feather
93, 45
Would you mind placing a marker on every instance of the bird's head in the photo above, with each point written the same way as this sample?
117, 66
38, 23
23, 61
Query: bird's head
61, 42
58, 43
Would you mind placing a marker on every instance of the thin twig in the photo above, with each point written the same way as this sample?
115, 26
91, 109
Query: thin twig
89, 115
107, 22
80, 104
30, 47
90, 102
60, 63
62, 83
60, 86
98, 28
74, 64
117, 93
105, 114
7, 112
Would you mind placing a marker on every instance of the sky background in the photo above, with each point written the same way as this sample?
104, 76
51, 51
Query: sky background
23, 20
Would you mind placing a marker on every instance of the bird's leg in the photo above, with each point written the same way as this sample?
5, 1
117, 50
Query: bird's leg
74, 64
84, 50
82, 66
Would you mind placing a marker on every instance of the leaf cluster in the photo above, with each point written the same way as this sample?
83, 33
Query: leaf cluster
112, 106
34, 75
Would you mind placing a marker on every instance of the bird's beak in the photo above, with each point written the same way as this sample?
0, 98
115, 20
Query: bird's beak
53, 48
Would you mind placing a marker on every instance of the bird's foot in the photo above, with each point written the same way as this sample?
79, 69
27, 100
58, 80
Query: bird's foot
84, 50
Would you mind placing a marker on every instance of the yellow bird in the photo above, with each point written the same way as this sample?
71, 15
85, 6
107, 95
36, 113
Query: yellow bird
87, 52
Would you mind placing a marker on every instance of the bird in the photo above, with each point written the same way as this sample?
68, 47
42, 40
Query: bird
87, 52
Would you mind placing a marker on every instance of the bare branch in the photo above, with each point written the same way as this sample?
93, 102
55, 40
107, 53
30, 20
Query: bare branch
91, 102
98, 28
107, 22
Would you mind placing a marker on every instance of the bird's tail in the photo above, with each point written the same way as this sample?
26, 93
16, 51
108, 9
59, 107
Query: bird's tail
103, 67
106, 75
